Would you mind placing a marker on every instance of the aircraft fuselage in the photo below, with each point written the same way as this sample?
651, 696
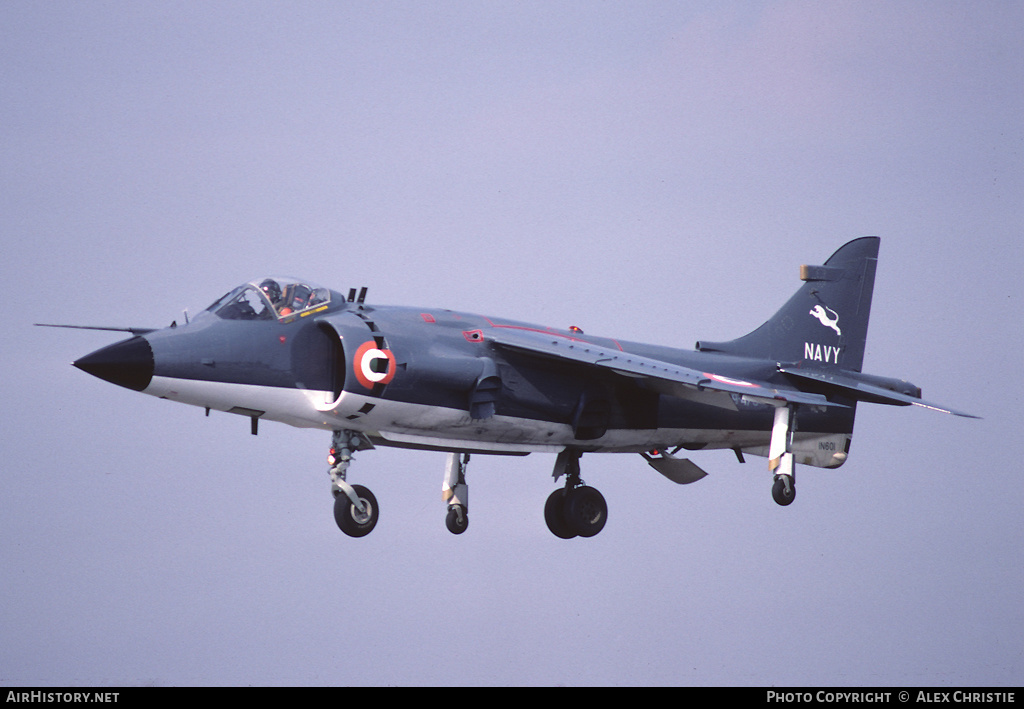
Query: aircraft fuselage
431, 378
286, 350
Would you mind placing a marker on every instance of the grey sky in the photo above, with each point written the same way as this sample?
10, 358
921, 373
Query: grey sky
647, 170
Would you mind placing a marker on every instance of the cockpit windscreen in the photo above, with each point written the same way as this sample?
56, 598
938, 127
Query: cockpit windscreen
271, 298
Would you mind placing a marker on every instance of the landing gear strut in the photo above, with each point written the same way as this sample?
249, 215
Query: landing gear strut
355, 507
576, 509
456, 493
780, 456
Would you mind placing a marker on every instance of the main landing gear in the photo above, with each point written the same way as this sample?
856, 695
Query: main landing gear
572, 511
575, 510
355, 507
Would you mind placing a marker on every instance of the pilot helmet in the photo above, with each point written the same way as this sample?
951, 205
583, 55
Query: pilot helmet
272, 290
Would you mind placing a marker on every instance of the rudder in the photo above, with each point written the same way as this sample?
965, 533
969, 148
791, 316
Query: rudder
825, 323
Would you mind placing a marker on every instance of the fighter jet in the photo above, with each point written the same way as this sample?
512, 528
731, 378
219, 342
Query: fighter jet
285, 349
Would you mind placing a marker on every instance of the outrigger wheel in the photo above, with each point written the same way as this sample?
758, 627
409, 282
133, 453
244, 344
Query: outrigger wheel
784, 489
457, 520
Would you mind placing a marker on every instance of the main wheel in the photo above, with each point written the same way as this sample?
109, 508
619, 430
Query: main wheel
585, 511
457, 519
779, 492
350, 520
554, 515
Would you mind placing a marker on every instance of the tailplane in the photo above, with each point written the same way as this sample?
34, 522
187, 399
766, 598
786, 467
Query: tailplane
825, 323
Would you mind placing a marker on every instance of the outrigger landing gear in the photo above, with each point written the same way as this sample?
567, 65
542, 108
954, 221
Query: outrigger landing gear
576, 509
456, 493
355, 507
780, 456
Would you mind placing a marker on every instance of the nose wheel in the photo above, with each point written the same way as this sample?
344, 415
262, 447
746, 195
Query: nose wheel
352, 520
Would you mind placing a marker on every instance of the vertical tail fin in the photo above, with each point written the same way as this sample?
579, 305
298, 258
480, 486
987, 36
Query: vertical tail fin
825, 323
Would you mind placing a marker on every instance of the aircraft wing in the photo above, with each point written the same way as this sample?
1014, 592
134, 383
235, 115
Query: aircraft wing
664, 377
861, 390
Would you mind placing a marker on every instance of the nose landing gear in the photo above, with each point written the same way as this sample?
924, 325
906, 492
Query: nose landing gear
355, 507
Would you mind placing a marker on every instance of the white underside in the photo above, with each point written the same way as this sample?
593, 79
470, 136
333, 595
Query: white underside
433, 427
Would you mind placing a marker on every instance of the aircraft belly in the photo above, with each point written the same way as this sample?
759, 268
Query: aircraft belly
417, 425
296, 407
437, 427
421, 425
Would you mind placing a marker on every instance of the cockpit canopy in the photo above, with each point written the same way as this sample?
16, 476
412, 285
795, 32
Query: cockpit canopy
271, 298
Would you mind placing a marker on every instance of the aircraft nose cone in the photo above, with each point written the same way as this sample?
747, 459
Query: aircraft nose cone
128, 363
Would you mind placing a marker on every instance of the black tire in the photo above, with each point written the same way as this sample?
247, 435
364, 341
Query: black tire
349, 519
457, 520
554, 515
779, 491
585, 511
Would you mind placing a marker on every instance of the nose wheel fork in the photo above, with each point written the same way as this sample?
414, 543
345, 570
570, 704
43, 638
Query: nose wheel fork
355, 507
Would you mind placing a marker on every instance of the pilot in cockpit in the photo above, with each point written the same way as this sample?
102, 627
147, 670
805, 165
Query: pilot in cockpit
272, 289
288, 296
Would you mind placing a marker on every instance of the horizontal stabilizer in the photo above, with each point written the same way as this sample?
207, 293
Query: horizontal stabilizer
681, 471
853, 385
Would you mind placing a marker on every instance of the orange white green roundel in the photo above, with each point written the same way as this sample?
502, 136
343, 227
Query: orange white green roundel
366, 365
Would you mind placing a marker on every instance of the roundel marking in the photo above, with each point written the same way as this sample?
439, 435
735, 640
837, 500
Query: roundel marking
365, 364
